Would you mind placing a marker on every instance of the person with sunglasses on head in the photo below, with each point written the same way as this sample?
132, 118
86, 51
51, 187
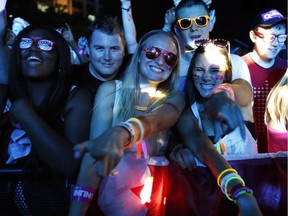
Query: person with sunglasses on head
193, 23
269, 34
128, 134
46, 118
209, 72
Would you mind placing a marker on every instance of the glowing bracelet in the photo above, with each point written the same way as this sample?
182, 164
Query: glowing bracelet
226, 184
223, 172
225, 178
240, 191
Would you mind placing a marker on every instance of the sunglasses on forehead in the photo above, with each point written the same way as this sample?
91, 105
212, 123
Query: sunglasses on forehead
42, 44
217, 42
200, 21
153, 52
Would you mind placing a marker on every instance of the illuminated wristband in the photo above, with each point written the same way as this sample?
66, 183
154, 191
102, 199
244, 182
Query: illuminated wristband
226, 178
83, 193
80, 51
227, 89
242, 190
223, 172
226, 184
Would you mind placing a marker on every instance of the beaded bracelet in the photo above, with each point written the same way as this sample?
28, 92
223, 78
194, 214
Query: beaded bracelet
242, 190
82, 193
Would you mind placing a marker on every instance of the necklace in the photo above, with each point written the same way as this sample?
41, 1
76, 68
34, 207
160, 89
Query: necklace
141, 108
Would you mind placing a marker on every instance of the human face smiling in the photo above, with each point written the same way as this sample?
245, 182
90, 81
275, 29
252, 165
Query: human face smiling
195, 32
157, 70
268, 50
106, 53
38, 64
207, 74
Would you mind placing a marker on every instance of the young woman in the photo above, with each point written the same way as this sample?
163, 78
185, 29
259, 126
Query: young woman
148, 89
48, 114
276, 116
210, 109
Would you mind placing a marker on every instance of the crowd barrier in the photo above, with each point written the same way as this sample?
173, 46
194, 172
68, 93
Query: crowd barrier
191, 193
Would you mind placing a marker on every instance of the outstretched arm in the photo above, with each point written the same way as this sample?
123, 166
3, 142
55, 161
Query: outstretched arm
116, 138
195, 139
129, 26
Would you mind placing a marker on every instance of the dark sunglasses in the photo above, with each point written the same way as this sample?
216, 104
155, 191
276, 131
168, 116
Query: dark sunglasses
269, 38
43, 44
153, 52
200, 21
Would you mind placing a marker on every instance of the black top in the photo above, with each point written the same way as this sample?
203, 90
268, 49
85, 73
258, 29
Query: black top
83, 78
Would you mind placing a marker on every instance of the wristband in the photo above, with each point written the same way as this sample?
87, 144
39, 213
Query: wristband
80, 51
129, 127
140, 125
83, 193
223, 172
240, 191
126, 9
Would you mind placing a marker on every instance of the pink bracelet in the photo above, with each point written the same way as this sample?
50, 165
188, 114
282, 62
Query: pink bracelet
80, 51
227, 89
83, 193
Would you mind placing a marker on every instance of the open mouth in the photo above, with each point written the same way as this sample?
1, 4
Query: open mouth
33, 60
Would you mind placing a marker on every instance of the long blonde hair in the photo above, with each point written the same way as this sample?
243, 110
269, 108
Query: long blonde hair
130, 83
277, 103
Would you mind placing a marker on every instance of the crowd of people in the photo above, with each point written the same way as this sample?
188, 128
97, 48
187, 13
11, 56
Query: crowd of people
112, 114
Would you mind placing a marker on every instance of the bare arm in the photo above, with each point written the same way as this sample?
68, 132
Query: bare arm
54, 148
193, 138
3, 61
3, 48
158, 120
101, 121
243, 92
68, 35
129, 26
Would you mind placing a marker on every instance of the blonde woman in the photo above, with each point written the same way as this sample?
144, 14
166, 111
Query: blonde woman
148, 90
276, 116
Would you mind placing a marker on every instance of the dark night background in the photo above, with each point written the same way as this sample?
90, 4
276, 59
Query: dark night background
233, 16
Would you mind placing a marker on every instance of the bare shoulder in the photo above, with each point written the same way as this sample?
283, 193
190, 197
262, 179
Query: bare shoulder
80, 99
106, 93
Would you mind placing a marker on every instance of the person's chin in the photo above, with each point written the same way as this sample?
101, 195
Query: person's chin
107, 74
